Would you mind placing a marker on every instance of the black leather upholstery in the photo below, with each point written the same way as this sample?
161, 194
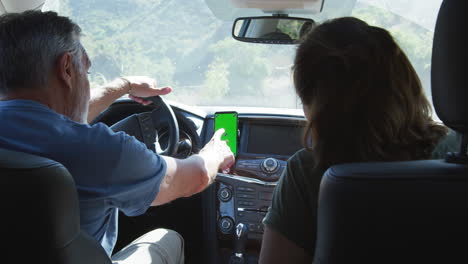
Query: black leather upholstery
449, 61
406, 212
394, 212
40, 221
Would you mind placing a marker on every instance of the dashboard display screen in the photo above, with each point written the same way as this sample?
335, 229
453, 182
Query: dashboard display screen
275, 140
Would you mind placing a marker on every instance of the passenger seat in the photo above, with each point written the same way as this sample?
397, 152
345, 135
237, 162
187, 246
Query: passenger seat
407, 212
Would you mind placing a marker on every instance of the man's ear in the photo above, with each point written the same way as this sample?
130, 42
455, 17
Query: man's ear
65, 69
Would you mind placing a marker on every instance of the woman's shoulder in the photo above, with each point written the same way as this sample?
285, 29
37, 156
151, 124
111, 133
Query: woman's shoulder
302, 155
302, 159
302, 167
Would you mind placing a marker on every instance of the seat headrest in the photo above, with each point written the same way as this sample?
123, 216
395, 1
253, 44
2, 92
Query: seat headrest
393, 212
41, 213
42, 188
18, 160
449, 59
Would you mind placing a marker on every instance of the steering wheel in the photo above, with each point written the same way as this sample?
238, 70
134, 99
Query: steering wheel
146, 126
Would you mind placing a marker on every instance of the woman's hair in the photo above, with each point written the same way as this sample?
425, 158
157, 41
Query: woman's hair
365, 100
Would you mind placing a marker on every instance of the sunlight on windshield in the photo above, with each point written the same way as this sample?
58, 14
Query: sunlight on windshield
413, 30
184, 45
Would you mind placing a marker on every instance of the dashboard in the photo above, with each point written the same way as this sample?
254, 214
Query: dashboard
266, 142
267, 139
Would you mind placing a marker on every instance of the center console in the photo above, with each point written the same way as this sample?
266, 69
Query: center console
244, 196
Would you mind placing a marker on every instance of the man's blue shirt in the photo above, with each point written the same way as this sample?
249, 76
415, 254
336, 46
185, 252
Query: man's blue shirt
112, 171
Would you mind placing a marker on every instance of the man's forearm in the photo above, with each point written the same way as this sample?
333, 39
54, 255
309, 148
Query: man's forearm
192, 175
183, 178
102, 97
186, 177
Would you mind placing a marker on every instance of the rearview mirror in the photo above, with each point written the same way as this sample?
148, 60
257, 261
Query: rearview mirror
271, 29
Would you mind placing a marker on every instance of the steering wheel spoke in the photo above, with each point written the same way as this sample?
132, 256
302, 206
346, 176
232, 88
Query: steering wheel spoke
145, 127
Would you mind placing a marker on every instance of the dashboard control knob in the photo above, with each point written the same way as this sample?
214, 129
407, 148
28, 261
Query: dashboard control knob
226, 225
270, 165
225, 194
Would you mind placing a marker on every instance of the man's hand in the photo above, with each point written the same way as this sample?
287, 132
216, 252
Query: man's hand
135, 86
139, 87
217, 156
218, 149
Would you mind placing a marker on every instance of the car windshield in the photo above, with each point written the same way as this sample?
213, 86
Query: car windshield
188, 45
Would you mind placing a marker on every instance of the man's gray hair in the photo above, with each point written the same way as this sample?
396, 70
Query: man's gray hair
30, 45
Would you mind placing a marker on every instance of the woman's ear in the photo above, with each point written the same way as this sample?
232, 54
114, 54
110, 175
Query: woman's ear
65, 69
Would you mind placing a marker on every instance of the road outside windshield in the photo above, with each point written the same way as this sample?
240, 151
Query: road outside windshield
183, 45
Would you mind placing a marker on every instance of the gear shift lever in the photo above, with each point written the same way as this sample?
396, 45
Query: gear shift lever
242, 232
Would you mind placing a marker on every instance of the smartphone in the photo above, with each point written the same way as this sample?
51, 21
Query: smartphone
228, 121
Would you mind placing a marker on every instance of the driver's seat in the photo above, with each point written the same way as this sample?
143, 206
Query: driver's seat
40, 220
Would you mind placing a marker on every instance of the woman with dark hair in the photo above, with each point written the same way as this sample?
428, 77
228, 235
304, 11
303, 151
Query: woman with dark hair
363, 102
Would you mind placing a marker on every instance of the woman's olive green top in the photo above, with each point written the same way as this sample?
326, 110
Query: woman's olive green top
293, 212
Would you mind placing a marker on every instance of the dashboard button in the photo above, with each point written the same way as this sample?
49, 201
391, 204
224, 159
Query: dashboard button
252, 227
270, 165
267, 196
246, 196
244, 203
225, 194
245, 189
226, 225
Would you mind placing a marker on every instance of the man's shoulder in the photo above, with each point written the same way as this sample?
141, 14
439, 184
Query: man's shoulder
97, 131
99, 137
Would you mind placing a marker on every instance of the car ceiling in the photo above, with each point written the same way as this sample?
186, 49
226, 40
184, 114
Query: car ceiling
421, 12
225, 10
20, 5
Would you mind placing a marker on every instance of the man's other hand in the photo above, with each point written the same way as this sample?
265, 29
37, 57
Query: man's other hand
139, 87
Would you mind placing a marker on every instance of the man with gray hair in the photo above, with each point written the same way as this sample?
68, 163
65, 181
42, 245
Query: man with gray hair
44, 103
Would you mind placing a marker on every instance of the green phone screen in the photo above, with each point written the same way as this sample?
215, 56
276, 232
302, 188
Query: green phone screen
228, 121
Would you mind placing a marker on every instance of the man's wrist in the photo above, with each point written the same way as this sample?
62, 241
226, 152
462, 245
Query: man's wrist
128, 85
210, 164
119, 86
